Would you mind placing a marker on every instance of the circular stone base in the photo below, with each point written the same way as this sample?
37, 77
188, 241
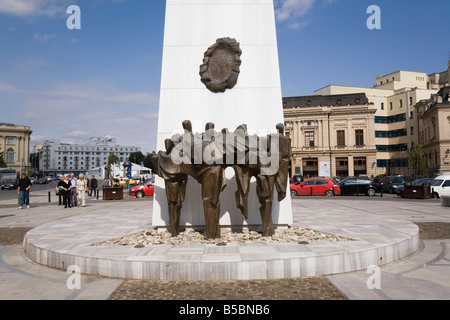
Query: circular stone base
377, 241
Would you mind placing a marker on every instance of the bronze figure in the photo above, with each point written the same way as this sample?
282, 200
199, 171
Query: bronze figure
218, 151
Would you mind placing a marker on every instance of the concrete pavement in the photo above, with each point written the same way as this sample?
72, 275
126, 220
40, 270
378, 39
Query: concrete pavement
425, 275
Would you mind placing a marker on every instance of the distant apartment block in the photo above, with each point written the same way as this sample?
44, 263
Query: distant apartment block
56, 157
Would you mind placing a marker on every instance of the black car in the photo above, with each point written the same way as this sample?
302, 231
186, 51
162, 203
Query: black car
357, 186
377, 182
392, 183
10, 185
42, 180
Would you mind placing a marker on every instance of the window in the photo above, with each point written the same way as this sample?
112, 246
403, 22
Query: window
446, 183
382, 106
390, 105
411, 101
10, 141
359, 135
309, 139
309, 183
10, 156
341, 138
401, 103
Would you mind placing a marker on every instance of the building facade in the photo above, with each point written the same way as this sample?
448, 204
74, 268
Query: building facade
15, 146
56, 157
439, 80
331, 135
394, 97
433, 122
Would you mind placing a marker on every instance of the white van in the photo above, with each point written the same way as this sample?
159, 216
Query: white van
440, 186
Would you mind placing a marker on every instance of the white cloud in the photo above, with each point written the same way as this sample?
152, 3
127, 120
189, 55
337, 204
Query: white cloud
33, 8
292, 9
77, 111
44, 37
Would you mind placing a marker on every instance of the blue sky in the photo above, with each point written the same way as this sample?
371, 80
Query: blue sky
104, 79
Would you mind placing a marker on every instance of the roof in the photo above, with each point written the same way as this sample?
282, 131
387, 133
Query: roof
337, 100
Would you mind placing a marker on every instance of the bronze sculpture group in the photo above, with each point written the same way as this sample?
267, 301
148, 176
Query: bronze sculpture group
205, 157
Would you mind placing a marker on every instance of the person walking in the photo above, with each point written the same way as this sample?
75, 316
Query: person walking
81, 190
73, 190
24, 190
65, 189
93, 187
60, 192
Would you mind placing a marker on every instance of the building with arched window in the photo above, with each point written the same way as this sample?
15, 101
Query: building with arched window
15, 146
331, 135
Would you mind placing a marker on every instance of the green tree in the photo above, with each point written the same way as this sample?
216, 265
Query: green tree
112, 160
136, 157
148, 162
418, 163
2, 160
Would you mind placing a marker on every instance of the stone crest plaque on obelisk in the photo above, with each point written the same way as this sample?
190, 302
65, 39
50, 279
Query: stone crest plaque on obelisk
220, 65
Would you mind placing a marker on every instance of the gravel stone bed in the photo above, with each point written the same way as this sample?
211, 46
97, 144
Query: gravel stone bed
153, 237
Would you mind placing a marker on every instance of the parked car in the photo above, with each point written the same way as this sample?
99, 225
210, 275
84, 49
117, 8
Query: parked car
123, 182
357, 186
315, 187
146, 190
377, 182
392, 183
42, 180
338, 179
418, 182
440, 186
9, 184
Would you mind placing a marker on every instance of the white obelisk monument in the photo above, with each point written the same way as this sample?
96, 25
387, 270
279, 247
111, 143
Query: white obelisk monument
191, 27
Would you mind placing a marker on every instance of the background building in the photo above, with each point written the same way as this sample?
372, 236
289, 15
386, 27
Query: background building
394, 97
331, 135
56, 157
433, 124
15, 146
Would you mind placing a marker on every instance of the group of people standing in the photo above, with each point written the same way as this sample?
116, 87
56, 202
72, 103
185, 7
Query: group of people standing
74, 190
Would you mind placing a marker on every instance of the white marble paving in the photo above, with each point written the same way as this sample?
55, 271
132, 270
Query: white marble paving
378, 241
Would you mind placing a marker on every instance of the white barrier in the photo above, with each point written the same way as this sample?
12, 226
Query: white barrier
445, 201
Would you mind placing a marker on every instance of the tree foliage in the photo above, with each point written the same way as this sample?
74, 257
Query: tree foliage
112, 161
418, 163
2, 160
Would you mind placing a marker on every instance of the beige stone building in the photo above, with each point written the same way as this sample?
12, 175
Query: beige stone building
394, 96
439, 80
331, 135
15, 146
433, 122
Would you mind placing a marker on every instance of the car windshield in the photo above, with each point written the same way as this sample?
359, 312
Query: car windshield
436, 182
397, 180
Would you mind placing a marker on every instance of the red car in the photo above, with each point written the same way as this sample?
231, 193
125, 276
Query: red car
146, 190
315, 187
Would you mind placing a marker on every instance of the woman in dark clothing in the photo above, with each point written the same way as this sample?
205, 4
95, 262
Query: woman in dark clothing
64, 188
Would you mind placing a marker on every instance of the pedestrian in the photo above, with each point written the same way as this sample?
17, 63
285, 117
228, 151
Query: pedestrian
73, 190
81, 190
65, 189
60, 193
93, 187
110, 183
24, 190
